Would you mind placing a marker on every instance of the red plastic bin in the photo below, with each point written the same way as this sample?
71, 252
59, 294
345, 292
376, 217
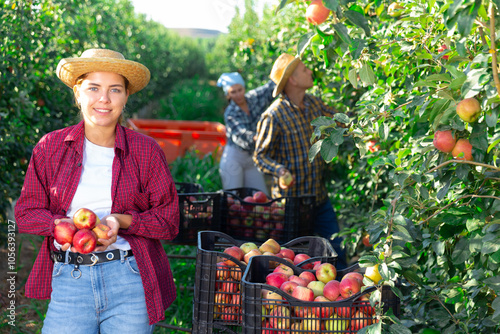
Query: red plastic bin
177, 137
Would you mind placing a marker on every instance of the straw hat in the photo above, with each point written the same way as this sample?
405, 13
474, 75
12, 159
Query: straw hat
282, 70
103, 60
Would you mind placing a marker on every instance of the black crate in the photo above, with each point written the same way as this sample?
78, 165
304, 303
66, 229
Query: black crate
186, 187
208, 314
282, 218
198, 212
283, 308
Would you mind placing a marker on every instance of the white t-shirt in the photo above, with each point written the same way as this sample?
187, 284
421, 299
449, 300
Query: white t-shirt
94, 188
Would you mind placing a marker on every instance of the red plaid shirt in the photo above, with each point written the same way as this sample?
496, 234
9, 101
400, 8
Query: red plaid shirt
142, 186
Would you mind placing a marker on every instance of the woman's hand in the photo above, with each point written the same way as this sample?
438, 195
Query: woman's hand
112, 222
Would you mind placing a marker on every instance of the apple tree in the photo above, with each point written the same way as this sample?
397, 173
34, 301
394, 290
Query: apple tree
434, 217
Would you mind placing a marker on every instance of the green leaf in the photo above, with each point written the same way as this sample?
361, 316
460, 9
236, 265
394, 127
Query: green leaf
353, 77
490, 244
282, 5
331, 4
496, 306
493, 283
341, 30
399, 329
337, 136
465, 21
358, 19
322, 121
366, 74
315, 148
412, 277
492, 145
304, 42
342, 118
329, 150
461, 252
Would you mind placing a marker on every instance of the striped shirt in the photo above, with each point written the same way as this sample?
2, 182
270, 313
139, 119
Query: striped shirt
284, 133
141, 186
240, 127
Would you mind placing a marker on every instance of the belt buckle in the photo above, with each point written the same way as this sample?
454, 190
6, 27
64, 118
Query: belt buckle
94, 260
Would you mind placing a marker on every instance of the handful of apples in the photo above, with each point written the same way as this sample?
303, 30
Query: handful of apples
83, 233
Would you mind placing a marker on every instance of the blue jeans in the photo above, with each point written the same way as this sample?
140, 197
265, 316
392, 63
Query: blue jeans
106, 298
325, 225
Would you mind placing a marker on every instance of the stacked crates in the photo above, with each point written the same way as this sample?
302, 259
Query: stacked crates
282, 218
218, 305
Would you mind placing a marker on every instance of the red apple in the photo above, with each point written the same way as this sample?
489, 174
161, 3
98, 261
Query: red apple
280, 317
230, 286
271, 299
323, 311
444, 141
316, 12
308, 276
288, 287
365, 306
360, 320
301, 257
101, 232
462, 146
260, 197
85, 219
366, 237
223, 271
349, 286
276, 279
64, 232
372, 146
441, 49
251, 254
332, 290
326, 272
287, 253
235, 252
303, 293
357, 276
469, 110
344, 311
283, 268
236, 273
299, 280
222, 298
84, 241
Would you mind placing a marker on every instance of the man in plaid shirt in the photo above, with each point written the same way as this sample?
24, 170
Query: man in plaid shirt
283, 142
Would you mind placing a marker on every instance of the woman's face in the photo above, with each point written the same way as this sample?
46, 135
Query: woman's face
237, 94
102, 97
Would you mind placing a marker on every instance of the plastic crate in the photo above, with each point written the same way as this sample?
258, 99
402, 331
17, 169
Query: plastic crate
261, 313
282, 218
177, 137
214, 312
198, 211
186, 187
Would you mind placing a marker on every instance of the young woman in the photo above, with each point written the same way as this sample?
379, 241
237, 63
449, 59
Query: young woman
126, 284
241, 116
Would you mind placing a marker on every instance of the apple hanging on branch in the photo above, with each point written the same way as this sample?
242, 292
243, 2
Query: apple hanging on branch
316, 12
469, 110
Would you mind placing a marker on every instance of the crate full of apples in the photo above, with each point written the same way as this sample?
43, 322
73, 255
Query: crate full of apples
248, 214
220, 263
84, 233
297, 300
198, 211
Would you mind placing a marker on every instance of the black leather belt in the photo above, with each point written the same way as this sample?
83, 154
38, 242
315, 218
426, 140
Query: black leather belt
89, 259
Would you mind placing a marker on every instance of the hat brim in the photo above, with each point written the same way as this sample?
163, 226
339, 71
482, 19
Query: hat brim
286, 75
70, 69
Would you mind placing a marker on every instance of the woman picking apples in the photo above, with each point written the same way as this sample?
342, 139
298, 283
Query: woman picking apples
241, 116
125, 284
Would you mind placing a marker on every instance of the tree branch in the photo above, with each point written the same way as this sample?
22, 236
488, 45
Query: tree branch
464, 162
458, 199
493, 49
